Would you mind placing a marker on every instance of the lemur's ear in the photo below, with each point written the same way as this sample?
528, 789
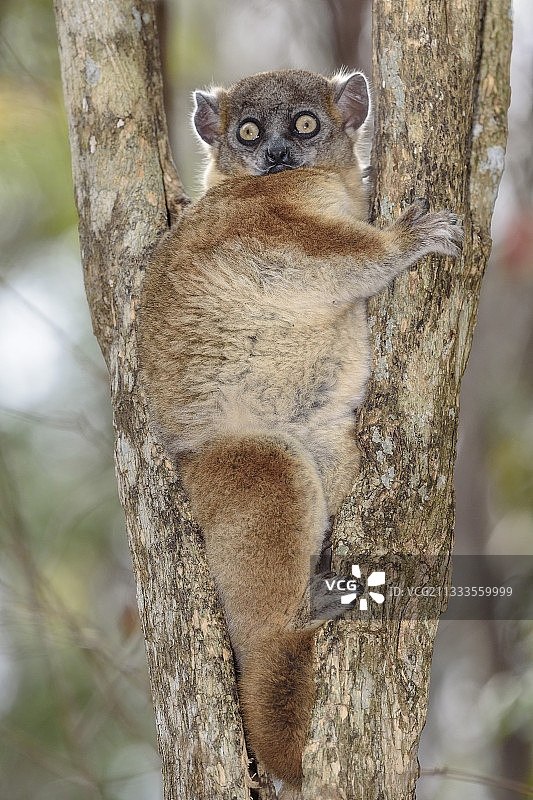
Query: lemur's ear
206, 116
352, 98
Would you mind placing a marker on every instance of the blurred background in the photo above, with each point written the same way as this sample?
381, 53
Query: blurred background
75, 712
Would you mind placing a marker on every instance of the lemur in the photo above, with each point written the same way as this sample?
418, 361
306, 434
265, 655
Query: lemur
255, 355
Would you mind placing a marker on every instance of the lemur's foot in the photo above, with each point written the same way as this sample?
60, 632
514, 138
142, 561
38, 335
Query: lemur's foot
323, 600
328, 601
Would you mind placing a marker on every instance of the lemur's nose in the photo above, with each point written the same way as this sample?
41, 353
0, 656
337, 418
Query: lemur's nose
278, 152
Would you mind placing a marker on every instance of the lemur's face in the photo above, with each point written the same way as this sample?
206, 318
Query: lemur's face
282, 120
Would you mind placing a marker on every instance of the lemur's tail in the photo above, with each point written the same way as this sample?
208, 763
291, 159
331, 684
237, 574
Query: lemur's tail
260, 503
277, 694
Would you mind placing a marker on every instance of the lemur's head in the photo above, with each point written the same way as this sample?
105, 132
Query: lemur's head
281, 120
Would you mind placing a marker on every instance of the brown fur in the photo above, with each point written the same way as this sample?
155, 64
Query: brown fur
277, 688
261, 506
254, 350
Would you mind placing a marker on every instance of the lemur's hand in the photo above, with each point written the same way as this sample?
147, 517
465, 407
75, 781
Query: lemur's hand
435, 231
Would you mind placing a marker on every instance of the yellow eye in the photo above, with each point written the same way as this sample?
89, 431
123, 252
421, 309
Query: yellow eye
248, 132
306, 124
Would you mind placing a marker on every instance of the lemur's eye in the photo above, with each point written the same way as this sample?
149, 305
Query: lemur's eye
249, 131
306, 124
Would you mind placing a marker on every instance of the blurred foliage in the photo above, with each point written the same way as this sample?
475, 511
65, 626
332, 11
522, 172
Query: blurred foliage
36, 194
76, 720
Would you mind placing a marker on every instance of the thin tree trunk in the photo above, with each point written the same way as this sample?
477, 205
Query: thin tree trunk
441, 75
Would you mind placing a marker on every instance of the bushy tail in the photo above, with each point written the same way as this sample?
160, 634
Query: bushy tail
277, 694
260, 503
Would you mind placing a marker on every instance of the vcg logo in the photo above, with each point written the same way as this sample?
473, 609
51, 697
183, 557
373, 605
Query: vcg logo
354, 589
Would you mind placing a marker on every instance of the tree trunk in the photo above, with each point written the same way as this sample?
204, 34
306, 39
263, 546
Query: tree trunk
441, 74
441, 77
126, 190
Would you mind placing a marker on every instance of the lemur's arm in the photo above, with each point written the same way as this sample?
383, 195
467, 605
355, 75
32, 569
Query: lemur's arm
304, 231
350, 259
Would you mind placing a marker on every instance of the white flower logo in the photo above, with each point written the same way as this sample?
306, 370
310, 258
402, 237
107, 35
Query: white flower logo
374, 579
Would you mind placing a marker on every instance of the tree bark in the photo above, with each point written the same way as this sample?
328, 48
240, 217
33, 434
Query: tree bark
441, 74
